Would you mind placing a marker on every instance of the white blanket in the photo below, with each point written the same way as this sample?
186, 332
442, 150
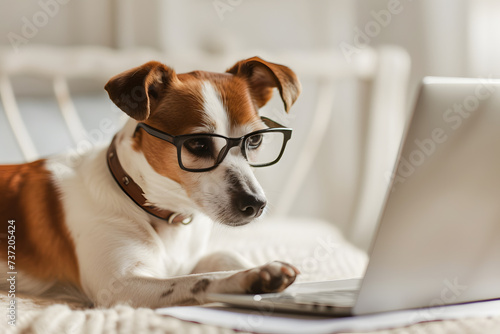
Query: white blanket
315, 247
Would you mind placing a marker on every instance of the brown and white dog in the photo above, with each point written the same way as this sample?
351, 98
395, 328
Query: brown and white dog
81, 228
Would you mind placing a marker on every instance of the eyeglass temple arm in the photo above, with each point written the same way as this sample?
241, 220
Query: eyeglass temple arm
154, 132
270, 123
162, 135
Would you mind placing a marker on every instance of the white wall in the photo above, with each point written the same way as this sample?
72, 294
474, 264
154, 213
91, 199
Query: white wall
58, 22
444, 37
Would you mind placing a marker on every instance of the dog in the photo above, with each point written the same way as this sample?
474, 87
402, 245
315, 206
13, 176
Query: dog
129, 223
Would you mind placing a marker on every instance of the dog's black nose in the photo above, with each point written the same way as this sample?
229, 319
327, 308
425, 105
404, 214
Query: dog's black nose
251, 205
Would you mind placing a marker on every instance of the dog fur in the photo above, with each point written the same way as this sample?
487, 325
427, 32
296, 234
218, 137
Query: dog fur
75, 227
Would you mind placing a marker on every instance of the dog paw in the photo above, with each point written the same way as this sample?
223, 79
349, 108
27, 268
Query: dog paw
271, 277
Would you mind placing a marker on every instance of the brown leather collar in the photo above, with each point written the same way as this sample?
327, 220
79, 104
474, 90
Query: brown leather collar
134, 191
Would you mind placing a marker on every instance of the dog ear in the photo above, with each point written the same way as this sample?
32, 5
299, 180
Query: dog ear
138, 90
263, 76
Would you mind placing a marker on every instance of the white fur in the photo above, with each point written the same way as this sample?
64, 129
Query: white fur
214, 110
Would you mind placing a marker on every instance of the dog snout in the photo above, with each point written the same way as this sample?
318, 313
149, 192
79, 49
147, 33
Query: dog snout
251, 205
247, 198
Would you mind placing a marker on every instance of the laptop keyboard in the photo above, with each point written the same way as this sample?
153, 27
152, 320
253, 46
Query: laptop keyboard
336, 298
320, 298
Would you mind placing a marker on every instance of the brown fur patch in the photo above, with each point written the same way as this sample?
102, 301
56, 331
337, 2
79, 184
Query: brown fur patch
167, 293
181, 108
236, 98
262, 76
44, 248
201, 286
162, 156
178, 112
188, 301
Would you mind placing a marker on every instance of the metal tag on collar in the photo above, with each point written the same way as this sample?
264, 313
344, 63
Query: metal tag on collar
187, 220
174, 215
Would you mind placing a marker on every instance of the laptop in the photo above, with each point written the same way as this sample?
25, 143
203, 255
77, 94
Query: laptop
438, 237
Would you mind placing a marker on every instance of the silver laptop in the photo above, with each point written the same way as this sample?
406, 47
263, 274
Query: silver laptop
438, 238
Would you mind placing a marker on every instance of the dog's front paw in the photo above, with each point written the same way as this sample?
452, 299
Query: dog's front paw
271, 277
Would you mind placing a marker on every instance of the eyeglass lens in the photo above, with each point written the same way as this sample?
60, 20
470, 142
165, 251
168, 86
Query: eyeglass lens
202, 152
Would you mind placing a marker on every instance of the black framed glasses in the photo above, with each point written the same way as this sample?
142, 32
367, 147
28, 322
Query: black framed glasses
205, 151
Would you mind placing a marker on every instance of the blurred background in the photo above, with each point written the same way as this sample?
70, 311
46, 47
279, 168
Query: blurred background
360, 63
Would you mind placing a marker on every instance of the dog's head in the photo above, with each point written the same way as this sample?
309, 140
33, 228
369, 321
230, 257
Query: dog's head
225, 104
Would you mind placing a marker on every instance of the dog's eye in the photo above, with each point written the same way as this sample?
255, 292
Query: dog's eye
199, 146
254, 142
